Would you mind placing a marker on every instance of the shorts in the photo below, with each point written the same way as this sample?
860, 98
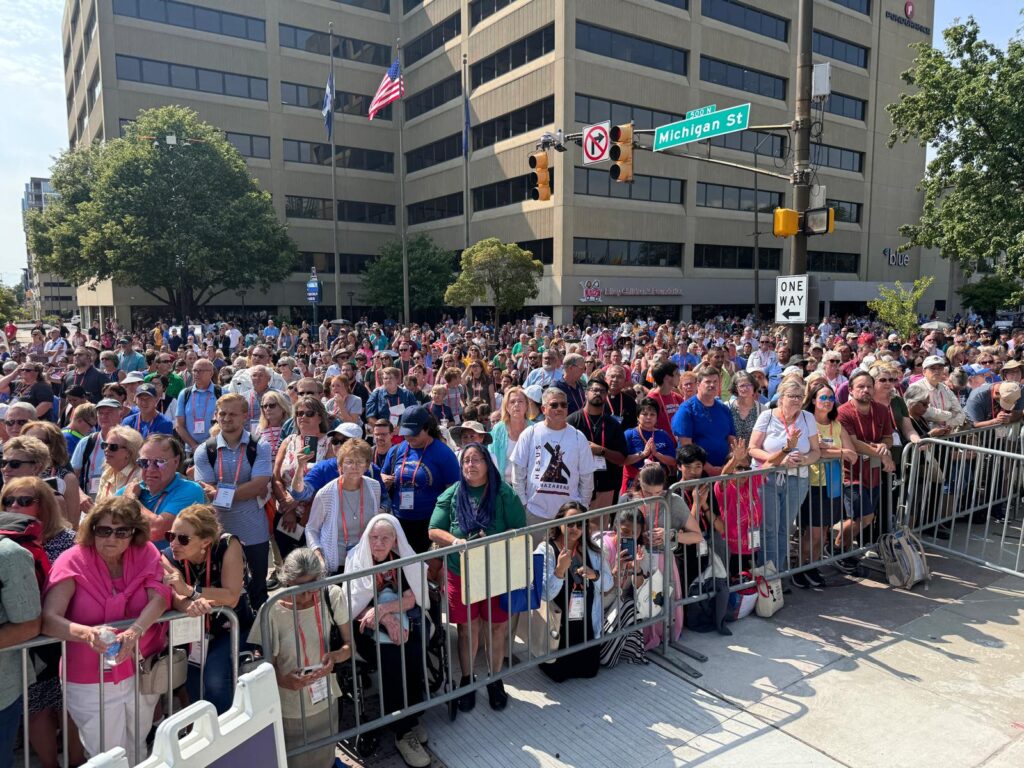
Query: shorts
820, 511
481, 609
860, 501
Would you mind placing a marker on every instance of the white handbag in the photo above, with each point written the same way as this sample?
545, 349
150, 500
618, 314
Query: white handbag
769, 591
651, 596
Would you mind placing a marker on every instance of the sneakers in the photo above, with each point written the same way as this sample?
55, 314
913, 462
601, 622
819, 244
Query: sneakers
814, 578
420, 732
412, 751
496, 695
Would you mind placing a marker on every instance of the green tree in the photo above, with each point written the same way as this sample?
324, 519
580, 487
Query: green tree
184, 221
990, 294
965, 103
897, 307
11, 306
500, 273
430, 267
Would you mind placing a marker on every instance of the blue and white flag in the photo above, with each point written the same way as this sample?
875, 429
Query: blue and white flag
328, 108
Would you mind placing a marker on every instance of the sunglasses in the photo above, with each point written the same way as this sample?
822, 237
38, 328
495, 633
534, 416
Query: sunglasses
147, 463
106, 531
307, 414
826, 398
19, 501
181, 538
890, 381
558, 404
268, 406
577, 525
111, 447
337, 440
16, 422
15, 463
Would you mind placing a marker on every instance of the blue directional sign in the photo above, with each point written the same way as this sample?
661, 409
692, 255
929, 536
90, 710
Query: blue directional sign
313, 291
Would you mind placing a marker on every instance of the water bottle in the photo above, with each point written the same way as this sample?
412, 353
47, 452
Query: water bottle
113, 647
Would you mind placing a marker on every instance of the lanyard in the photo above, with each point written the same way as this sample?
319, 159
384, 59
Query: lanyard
220, 465
590, 427
787, 425
341, 508
871, 436
319, 631
252, 403
419, 462
95, 460
647, 514
113, 487
188, 569
195, 404
160, 499
612, 407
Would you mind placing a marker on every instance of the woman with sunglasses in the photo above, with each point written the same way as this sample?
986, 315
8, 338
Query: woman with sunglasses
205, 569
120, 450
59, 471
113, 573
33, 497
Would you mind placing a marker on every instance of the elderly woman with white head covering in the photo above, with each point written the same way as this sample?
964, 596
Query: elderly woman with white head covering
386, 608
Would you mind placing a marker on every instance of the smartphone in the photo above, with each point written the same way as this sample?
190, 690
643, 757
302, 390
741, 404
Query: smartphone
629, 545
309, 444
311, 669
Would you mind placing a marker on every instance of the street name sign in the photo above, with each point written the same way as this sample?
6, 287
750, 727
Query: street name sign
706, 126
701, 111
791, 299
596, 142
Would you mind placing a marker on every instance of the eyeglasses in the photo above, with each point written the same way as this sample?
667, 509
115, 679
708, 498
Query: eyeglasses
181, 538
105, 532
16, 422
15, 463
19, 501
989, 361
336, 441
578, 525
353, 464
888, 380
307, 414
557, 404
826, 398
111, 447
147, 463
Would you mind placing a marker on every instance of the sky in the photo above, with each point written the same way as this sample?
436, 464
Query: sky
34, 127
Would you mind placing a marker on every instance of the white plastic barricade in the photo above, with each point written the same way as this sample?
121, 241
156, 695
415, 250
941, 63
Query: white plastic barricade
249, 734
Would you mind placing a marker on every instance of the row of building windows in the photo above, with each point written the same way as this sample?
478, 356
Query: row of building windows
435, 152
839, 49
627, 48
708, 256
845, 210
528, 118
846, 106
505, 192
433, 96
837, 157
433, 39
683, 4
522, 51
435, 209
353, 158
354, 211
736, 198
651, 189
630, 253
861, 6
543, 250
350, 263
767, 144
312, 97
833, 261
592, 109
408, 5
344, 47
742, 78
380, 6
481, 9
248, 144
194, 17
190, 78
745, 17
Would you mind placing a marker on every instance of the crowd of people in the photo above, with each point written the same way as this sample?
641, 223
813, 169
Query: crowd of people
203, 466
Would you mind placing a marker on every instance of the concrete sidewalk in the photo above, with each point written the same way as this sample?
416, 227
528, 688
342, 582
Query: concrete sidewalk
856, 674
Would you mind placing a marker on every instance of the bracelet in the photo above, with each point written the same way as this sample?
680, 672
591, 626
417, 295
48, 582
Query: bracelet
195, 591
138, 629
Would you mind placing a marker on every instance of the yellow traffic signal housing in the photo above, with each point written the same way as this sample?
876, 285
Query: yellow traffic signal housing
540, 178
621, 153
786, 222
819, 221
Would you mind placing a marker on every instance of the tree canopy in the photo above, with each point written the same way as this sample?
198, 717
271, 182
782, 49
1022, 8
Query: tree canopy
493, 271
990, 294
897, 306
966, 104
183, 219
430, 269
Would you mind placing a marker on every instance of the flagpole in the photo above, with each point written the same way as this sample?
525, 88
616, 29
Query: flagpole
465, 147
334, 184
400, 111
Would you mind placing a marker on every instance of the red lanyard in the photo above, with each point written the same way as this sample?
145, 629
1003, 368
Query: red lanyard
188, 569
319, 631
401, 470
341, 509
252, 406
611, 407
95, 455
646, 513
195, 405
593, 435
871, 422
220, 465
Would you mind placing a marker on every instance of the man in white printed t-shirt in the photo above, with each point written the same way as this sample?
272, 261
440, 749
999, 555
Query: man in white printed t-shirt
552, 462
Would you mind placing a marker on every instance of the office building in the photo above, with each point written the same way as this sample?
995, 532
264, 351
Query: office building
45, 293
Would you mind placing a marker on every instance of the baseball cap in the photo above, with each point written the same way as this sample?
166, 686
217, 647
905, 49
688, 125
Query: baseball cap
124, 340
791, 370
976, 370
132, 378
145, 389
472, 426
75, 391
109, 402
413, 421
1009, 394
535, 392
934, 360
346, 429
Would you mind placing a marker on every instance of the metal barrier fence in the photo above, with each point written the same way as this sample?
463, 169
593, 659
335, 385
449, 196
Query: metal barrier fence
43, 641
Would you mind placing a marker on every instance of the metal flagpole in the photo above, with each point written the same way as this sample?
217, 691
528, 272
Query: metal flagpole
465, 146
334, 184
401, 197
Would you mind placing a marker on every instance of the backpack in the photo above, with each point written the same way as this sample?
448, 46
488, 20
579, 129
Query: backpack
904, 558
90, 446
187, 392
251, 450
27, 532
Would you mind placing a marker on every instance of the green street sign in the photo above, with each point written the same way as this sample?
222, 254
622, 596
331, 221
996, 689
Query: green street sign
701, 111
705, 127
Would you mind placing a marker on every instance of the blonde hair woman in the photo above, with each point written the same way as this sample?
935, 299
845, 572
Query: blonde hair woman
120, 450
515, 409
60, 464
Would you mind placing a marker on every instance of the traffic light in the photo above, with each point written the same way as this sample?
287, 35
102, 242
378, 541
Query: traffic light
785, 222
540, 179
819, 221
621, 153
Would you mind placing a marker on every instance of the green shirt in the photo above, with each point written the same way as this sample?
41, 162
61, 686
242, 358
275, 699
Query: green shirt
174, 383
19, 602
508, 515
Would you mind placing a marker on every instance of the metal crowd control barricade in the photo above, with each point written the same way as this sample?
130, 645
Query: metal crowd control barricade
168, 700
435, 653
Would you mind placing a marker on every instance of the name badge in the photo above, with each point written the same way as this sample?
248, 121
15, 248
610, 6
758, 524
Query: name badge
396, 412
186, 631
896, 440
600, 464
199, 426
225, 496
405, 498
197, 653
1002, 432
702, 548
577, 603
94, 486
618, 419
317, 690
754, 539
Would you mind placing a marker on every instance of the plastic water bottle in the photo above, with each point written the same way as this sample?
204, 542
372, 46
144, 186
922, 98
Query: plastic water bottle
113, 647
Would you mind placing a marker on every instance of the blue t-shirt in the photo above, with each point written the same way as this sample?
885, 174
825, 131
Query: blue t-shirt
710, 428
181, 493
160, 425
326, 470
201, 406
426, 473
271, 332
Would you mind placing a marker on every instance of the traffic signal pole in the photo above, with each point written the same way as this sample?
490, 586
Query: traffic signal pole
801, 154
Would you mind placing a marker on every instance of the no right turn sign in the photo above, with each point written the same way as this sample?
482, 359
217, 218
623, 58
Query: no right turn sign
596, 142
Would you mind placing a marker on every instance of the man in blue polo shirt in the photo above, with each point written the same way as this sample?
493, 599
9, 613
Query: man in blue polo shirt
148, 420
706, 421
197, 405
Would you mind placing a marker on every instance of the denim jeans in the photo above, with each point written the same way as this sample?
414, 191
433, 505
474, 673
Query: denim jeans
217, 681
10, 722
781, 498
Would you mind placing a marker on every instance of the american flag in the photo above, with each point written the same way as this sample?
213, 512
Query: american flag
392, 88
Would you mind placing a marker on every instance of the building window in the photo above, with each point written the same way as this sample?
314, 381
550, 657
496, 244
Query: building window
122, 126
432, 39
653, 189
832, 261
481, 9
408, 5
351, 263
734, 257
194, 17
95, 90
636, 50
683, 4
433, 96
250, 145
355, 158
528, 118
366, 213
767, 144
312, 97
522, 51
344, 47
629, 253
436, 208
742, 78
736, 198
591, 109
845, 210
298, 207
840, 50
543, 250
380, 6
505, 192
837, 157
190, 78
436, 152
745, 17
846, 106
861, 6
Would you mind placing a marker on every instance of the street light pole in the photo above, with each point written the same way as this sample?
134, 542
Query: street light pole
801, 153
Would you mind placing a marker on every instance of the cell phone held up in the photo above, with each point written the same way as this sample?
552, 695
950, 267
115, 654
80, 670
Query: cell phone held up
629, 546
309, 445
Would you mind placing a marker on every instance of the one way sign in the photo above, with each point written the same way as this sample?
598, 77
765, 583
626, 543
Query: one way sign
791, 299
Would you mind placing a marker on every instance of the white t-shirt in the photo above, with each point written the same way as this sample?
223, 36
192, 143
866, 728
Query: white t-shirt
776, 433
235, 336
555, 461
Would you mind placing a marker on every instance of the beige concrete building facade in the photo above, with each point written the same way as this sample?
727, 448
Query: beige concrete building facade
677, 241
46, 294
